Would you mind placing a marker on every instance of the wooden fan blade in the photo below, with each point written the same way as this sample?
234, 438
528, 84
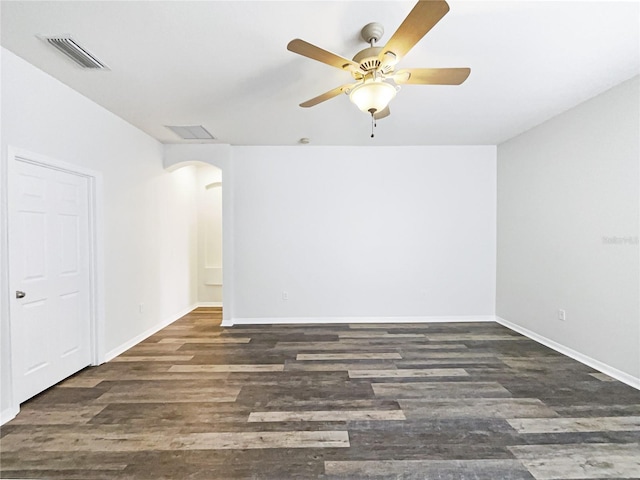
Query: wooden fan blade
420, 20
316, 53
325, 96
432, 76
385, 112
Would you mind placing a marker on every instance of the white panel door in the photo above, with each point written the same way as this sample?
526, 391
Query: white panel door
49, 265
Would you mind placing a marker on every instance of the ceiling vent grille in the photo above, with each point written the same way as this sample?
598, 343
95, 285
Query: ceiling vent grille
75, 52
191, 132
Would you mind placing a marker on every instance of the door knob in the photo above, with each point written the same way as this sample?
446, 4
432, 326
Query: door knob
20, 294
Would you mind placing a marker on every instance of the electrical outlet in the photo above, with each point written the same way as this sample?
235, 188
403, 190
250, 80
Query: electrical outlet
562, 316
141, 308
285, 295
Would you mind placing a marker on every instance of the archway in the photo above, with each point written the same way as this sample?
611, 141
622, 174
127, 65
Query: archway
217, 155
207, 194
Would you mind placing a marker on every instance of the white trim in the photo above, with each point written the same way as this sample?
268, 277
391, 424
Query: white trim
5, 296
98, 267
8, 414
210, 304
333, 320
96, 245
580, 357
113, 353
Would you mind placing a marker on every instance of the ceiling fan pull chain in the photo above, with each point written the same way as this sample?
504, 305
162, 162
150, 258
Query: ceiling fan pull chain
373, 121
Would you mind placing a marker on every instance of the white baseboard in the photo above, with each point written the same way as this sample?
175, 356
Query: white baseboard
210, 304
580, 357
8, 414
333, 320
147, 333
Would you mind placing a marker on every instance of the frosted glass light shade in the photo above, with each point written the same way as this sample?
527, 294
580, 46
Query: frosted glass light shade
372, 95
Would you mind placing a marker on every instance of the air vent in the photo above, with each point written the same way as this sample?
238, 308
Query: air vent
75, 52
191, 132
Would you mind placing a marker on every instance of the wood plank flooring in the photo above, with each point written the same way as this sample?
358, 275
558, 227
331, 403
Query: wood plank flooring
411, 401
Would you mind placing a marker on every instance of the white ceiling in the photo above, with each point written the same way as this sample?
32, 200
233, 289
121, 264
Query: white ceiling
224, 65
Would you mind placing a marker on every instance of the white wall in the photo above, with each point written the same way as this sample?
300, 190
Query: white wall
150, 221
564, 189
364, 232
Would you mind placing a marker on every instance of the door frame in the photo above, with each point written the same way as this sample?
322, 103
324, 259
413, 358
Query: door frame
96, 249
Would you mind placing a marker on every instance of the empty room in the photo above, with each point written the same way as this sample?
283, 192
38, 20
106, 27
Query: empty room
320, 239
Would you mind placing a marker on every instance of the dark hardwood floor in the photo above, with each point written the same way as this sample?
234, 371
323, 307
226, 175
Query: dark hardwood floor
411, 401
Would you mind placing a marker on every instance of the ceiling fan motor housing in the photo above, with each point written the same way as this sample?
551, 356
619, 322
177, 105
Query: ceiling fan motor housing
369, 60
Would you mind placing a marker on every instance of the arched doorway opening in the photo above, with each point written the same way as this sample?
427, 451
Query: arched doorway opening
209, 200
207, 256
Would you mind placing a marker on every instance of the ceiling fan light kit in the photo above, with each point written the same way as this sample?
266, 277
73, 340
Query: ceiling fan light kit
372, 96
374, 67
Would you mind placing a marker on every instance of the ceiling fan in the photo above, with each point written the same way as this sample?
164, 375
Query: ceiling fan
374, 67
